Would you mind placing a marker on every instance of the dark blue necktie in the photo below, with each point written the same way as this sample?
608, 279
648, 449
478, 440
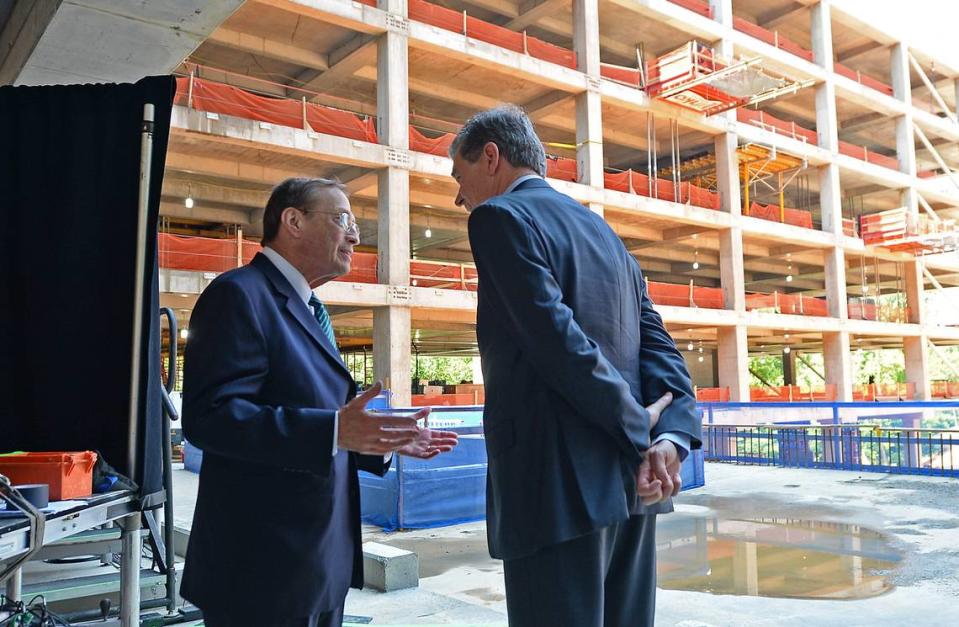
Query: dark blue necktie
323, 318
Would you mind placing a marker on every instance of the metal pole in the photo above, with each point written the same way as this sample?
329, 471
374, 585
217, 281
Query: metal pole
131, 545
146, 159
15, 584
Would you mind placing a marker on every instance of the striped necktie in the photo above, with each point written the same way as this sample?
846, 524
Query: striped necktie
323, 317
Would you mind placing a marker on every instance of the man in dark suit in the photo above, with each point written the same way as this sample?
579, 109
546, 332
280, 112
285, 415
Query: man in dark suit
276, 531
572, 350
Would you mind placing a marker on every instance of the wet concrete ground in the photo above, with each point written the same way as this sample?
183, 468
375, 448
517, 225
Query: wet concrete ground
756, 546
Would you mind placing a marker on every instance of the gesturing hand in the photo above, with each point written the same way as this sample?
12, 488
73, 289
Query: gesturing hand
430, 443
375, 434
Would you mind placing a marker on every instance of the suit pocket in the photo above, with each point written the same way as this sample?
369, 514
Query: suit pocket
499, 438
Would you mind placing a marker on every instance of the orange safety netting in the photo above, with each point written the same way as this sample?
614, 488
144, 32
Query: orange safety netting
795, 304
697, 6
884, 392
773, 38
439, 146
443, 275
561, 168
864, 154
362, 270
673, 295
370, 3
447, 19
664, 189
619, 73
860, 309
792, 393
768, 122
795, 217
868, 81
945, 389
712, 395
443, 400
207, 254
228, 100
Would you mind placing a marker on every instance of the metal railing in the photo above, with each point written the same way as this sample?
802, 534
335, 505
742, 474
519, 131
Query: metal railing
837, 447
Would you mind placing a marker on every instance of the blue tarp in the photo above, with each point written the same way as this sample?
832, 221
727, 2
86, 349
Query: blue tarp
450, 488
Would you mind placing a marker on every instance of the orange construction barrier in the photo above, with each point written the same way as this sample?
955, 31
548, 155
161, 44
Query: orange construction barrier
868, 81
214, 97
795, 217
206, 254
421, 400
712, 395
793, 304
561, 168
773, 38
619, 73
697, 6
863, 154
774, 124
457, 22
676, 295
439, 146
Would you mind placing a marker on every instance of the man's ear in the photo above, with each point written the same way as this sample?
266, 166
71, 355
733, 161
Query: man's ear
492, 157
291, 220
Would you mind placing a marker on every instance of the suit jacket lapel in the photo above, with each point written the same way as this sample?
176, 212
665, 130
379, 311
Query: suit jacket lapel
299, 310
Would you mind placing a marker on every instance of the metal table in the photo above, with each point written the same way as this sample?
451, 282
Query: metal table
94, 511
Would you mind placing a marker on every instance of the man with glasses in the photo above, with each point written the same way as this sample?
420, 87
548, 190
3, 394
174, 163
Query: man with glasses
276, 530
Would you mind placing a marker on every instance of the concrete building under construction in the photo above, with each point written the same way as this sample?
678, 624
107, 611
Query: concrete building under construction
783, 171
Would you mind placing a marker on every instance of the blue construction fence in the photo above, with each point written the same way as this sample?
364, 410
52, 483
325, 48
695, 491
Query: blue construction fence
909, 437
450, 488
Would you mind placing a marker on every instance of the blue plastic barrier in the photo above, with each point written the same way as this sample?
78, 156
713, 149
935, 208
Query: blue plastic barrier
450, 488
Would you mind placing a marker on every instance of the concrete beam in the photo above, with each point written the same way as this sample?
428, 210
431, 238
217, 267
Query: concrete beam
269, 48
343, 62
532, 11
20, 35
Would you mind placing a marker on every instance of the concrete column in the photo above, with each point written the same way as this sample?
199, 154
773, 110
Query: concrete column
838, 363
391, 324
789, 368
916, 351
391, 351
731, 240
589, 105
722, 11
733, 358
821, 29
955, 85
915, 299
905, 129
830, 200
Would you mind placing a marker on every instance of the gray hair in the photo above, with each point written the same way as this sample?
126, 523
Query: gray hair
510, 129
298, 192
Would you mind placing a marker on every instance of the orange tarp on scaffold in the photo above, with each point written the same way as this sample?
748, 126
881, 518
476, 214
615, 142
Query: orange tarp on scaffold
864, 154
772, 38
438, 146
362, 270
561, 168
712, 395
868, 81
664, 189
619, 73
769, 122
675, 295
945, 389
884, 392
795, 304
228, 100
450, 20
792, 393
205, 254
443, 275
795, 217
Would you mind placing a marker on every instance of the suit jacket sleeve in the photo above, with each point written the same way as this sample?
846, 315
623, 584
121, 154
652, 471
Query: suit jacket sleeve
512, 263
226, 368
663, 369
374, 464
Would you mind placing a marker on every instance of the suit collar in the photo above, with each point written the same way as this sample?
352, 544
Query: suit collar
297, 308
534, 182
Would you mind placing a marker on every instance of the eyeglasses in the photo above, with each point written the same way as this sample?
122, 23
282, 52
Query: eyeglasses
344, 220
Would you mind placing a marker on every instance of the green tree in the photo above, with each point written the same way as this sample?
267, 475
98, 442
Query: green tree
768, 367
449, 369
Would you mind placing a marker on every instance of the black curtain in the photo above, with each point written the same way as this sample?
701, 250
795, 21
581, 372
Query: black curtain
69, 181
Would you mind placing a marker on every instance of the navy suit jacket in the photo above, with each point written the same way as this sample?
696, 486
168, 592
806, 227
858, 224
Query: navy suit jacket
277, 520
572, 351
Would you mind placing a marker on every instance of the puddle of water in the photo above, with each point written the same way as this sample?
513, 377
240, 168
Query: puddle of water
700, 550
439, 555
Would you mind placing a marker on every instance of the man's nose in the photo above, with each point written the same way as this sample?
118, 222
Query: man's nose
459, 199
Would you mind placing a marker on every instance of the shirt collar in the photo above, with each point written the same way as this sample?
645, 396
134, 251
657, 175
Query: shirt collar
290, 273
520, 180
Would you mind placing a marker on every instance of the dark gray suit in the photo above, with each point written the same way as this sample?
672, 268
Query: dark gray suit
572, 350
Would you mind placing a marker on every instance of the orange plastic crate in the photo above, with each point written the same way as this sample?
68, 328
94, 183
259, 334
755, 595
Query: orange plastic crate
69, 475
